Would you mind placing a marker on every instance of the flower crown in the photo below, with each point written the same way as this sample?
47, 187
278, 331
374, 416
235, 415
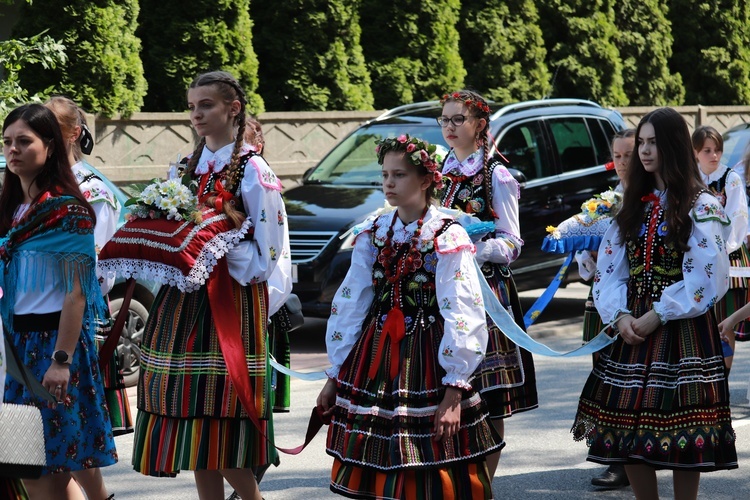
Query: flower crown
417, 152
468, 101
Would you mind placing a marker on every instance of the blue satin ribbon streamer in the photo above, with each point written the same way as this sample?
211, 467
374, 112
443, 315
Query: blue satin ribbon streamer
505, 323
546, 297
300, 375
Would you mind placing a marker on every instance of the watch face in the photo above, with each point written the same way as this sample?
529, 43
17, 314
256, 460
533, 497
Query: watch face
60, 356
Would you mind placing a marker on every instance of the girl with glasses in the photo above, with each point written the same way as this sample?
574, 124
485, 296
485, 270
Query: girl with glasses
482, 186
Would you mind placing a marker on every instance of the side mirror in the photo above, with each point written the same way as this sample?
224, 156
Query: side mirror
307, 173
518, 176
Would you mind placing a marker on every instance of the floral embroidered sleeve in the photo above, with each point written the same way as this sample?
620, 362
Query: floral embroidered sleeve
351, 303
705, 267
736, 210
506, 246
611, 276
458, 292
254, 261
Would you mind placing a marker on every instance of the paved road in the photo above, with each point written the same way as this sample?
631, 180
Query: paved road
540, 461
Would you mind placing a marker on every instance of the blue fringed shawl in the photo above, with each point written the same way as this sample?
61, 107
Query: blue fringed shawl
55, 236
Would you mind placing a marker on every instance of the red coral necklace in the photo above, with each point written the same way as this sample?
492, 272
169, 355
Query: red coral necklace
409, 259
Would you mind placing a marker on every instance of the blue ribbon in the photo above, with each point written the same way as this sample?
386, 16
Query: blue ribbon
505, 323
546, 297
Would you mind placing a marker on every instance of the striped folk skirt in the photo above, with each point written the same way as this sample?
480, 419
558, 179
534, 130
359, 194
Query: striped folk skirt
737, 296
506, 377
664, 402
190, 416
592, 322
381, 435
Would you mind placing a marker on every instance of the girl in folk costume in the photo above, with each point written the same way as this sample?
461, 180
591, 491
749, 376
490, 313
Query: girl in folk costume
190, 415
52, 296
72, 122
622, 146
658, 397
406, 332
483, 187
728, 186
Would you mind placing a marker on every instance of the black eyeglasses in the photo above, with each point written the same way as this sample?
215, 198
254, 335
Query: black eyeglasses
456, 120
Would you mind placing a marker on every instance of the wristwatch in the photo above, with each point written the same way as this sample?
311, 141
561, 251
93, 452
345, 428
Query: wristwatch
61, 357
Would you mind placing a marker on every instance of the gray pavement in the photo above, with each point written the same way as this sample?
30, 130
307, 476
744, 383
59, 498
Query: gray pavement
540, 461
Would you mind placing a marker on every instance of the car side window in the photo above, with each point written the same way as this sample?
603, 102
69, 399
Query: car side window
602, 132
573, 143
523, 146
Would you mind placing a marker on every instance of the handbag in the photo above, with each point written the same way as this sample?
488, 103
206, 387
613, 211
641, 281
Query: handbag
289, 316
23, 452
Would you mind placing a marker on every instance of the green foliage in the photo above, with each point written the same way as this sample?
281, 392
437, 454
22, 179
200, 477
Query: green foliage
644, 40
181, 41
714, 50
503, 49
104, 71
310, 55
411, 48
579, 36
19, 53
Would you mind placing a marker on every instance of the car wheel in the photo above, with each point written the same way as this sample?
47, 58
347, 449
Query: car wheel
129, 346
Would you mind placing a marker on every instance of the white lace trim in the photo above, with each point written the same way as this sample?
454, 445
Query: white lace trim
216, 248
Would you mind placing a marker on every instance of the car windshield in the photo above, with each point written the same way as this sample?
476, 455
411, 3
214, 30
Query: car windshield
735, 144
354, 161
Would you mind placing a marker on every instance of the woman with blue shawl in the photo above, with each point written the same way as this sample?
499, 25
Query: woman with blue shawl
52, 295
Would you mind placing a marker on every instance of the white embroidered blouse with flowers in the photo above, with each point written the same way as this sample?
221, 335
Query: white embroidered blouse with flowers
457, 289
705, 268
254, 260
506, 246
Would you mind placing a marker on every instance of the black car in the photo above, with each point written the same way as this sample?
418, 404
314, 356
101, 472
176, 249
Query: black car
556, 149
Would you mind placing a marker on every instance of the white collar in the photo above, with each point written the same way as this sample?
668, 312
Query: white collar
214, 161
470, 166
715, 175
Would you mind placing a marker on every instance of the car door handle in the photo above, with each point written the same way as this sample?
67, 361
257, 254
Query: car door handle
554, 201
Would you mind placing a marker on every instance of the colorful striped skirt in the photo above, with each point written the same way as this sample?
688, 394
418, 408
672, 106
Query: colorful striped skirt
382, 436
737, 296
592, 322
114, 389
506, 377
664, 402
190, 416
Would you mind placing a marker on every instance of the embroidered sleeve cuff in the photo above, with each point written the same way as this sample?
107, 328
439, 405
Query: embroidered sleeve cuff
453, 380
655, 307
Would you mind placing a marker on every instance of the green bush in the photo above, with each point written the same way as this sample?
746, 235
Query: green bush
503, 49
579, 36
310, 55
714, 50
644, 39
180, 41
411, 49
104, 72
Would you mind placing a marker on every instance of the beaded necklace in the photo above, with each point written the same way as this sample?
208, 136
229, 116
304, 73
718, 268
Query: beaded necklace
408, 260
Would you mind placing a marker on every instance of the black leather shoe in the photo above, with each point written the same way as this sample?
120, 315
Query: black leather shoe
613, 477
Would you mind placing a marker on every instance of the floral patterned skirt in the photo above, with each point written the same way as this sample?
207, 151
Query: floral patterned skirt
77, 432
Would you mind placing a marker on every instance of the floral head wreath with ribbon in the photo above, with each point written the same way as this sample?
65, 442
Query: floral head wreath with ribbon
469, 100
416, 151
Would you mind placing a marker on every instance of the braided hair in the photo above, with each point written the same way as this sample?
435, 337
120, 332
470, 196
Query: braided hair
477, 107
230, 90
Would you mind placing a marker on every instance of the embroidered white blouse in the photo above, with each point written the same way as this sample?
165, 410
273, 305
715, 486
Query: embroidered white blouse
253, 261
107, 210
457, 288
735, 204
506, 246
705, 268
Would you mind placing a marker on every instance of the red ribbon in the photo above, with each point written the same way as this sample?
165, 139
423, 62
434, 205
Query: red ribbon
227, 323
394, 328
650, 197
222, 195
